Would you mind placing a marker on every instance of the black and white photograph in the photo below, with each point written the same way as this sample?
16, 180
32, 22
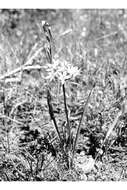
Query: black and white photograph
63, 95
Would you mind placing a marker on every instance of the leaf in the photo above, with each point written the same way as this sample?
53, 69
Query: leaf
112, 126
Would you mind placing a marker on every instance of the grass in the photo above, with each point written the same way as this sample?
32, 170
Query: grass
63, 95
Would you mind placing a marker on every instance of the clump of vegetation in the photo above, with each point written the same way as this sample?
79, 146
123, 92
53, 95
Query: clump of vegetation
63, 95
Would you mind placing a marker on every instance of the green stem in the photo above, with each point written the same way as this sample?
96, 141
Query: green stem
79, 126
51, 112
66, 112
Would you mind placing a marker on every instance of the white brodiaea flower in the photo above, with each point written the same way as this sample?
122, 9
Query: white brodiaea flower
74, 71
61, 70
52, 70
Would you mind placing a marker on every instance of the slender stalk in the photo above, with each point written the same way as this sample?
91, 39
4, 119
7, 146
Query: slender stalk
8, 143
49, 52
79, 126
66, 112
111, 128
51, 112
7, 136
5, 124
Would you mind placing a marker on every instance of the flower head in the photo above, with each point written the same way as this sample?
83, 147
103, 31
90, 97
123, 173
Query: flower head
61, 70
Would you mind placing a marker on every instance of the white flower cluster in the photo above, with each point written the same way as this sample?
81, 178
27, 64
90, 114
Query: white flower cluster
61, 70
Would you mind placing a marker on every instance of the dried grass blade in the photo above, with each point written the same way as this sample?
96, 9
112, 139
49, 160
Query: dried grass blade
112, 126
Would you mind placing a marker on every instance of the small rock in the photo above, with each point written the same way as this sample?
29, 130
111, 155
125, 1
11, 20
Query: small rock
86, 164
91, 177
83, 177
